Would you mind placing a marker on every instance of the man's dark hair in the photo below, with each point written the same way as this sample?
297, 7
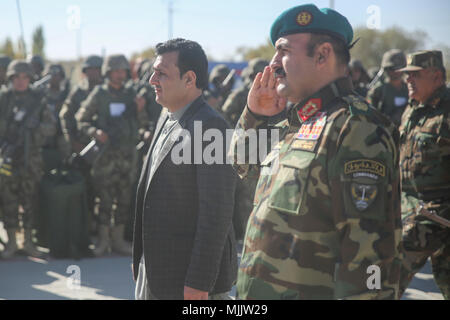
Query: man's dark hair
340, 48
190, 57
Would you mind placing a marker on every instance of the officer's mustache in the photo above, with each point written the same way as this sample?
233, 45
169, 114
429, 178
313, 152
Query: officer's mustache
279, 73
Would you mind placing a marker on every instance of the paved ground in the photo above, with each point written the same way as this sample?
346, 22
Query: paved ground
110, 277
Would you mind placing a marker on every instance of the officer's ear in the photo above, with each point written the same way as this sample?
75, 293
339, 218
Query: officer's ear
190, 78
323, 53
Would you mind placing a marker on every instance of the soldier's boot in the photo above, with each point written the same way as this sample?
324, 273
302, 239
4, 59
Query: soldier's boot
28, 245
11, 245
103, 241
119, 245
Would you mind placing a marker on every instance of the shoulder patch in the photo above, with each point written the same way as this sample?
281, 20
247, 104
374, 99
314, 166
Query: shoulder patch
357, 106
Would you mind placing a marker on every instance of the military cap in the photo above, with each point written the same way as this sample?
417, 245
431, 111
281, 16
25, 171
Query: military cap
309, 19
54, 69
4, 61
92, 61
18, 66
356, 64
218, 71
37, 59
424, 59
115, 62
394, 59
254, 66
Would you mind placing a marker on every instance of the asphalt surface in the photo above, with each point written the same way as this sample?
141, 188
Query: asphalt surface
110, 278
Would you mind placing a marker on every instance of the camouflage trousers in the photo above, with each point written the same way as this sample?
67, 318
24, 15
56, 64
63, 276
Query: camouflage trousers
113, 177
423, 239
20, 189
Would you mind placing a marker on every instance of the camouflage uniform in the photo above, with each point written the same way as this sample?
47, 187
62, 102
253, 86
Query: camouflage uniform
25, 124
327, 204
216, 94
384, 96
114, 171
425, 171
72, 105
4, 62
55, 147
232, 110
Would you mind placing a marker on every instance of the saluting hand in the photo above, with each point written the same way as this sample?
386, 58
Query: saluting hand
263, 98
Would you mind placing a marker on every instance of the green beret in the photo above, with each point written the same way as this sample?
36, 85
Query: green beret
309, 19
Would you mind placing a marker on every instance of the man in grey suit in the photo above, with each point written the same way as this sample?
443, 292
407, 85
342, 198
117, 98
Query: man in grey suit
183, 242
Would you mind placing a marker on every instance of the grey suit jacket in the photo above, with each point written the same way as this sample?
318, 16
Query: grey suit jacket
183, 218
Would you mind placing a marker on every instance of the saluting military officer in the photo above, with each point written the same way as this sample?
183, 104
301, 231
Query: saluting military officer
25, 124
327, 204
110, 116
425, 169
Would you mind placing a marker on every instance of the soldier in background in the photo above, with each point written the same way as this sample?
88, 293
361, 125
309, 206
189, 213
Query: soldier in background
390, 96
37, 65
110, 116
25, 125
232, 110
4, 62
218, 90
236, 101
360, 78
56, 90
92, 76
425, 169
152, 109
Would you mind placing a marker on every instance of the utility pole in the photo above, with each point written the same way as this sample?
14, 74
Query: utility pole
332, 4
170, 8
23, 46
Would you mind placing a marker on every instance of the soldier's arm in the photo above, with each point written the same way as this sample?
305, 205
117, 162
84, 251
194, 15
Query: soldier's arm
47, 124
84, 116
244, 148
67, 116
365, 190
374, 96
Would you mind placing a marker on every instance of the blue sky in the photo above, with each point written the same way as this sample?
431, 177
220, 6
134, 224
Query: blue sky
219, 26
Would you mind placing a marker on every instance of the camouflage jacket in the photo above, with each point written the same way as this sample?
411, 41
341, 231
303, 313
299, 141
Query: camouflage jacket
114, 112
25, 124
425, 150
67, 114
389, 100
327, 204
236, 101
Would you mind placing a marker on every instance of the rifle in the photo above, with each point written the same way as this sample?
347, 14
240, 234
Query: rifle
431, 214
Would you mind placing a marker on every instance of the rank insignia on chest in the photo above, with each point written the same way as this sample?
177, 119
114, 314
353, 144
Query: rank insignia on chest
309, 109
312, 128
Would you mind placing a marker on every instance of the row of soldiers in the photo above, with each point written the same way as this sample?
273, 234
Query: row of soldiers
43, 126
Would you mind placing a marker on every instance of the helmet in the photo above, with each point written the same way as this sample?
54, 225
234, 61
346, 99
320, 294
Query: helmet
18, 66
356, 64
219, 71
53, 69
37, 59
92, 61
115, 62
254, 66
4, 61
393, 59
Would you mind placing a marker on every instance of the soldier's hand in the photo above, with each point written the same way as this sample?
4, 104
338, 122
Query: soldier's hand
147, 136
101, 136
263, 98
194, 294
140, 102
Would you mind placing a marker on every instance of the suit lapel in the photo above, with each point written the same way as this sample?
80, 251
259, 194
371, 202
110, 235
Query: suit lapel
161, 121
